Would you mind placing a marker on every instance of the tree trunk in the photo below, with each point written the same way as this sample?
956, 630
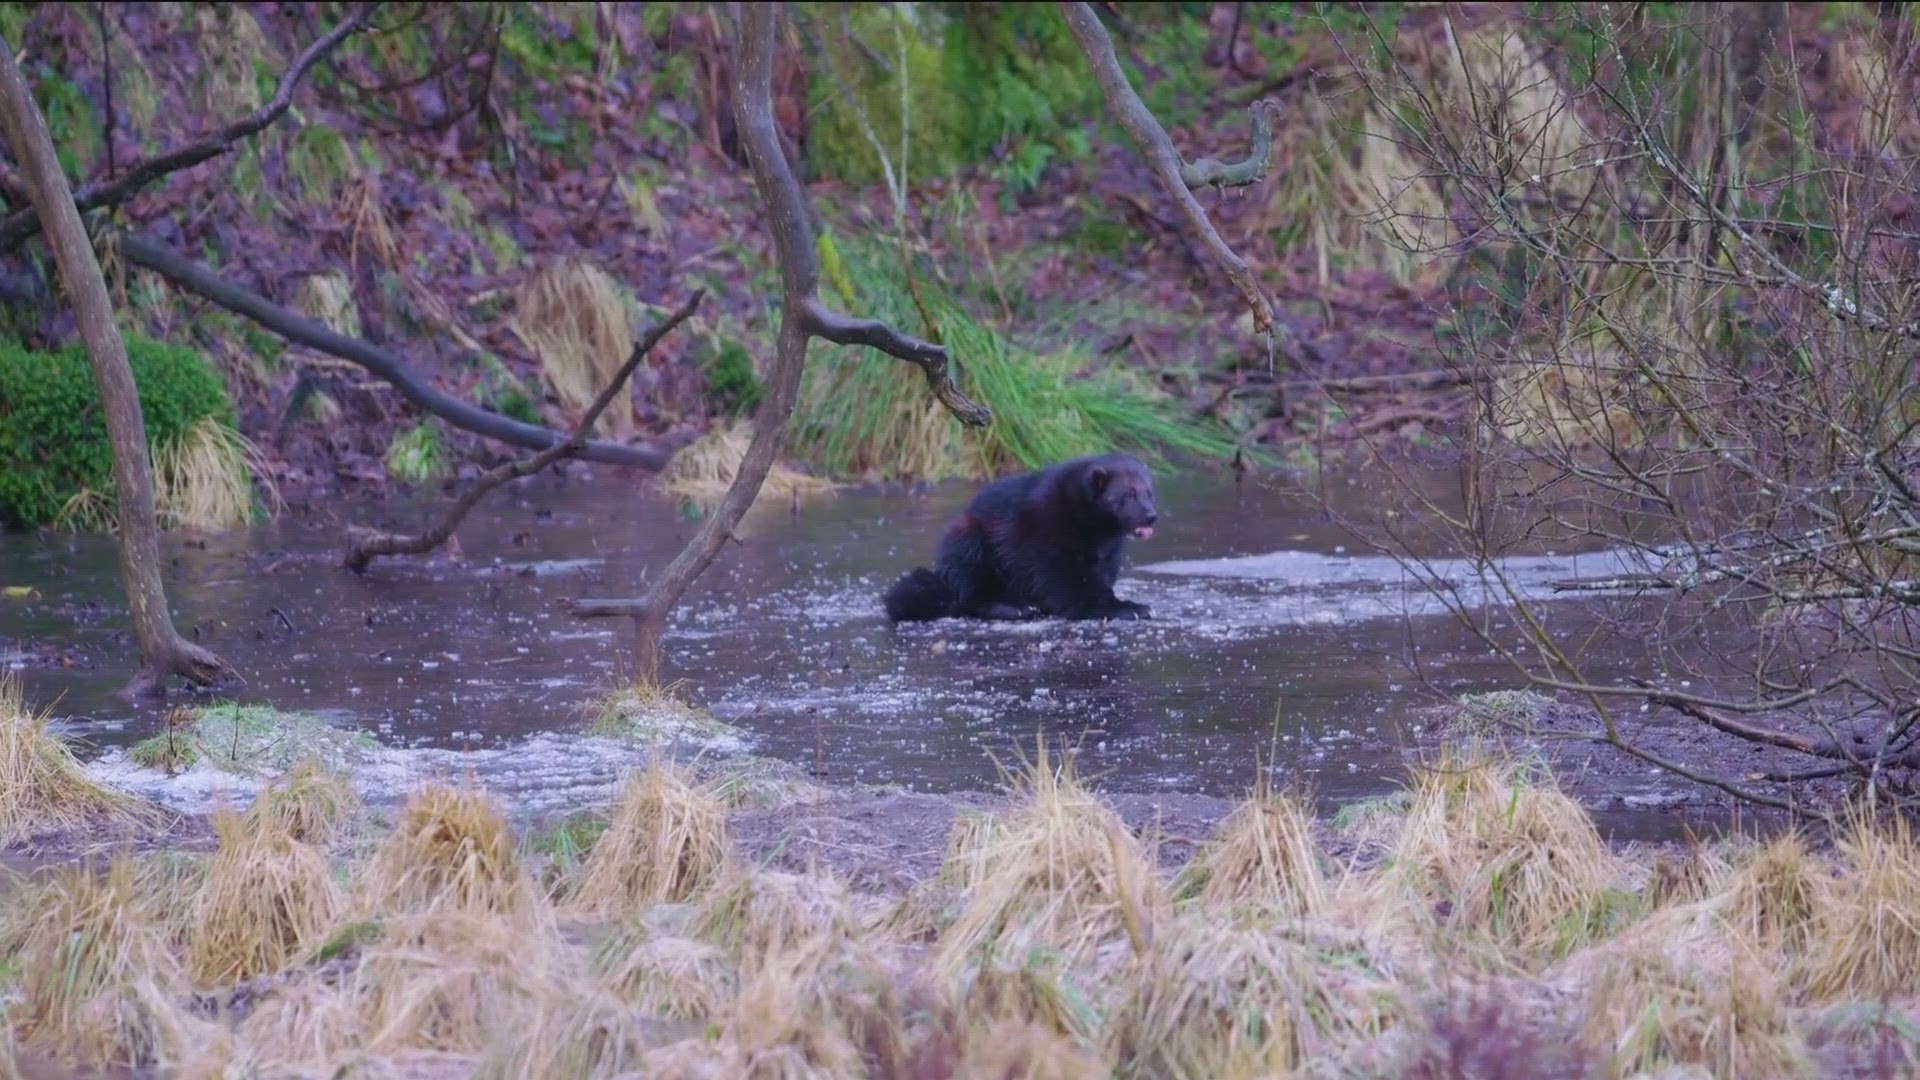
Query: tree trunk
802, 317
793, 250
163, 652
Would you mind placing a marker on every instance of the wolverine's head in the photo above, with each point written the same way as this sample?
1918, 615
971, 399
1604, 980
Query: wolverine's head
1122, 490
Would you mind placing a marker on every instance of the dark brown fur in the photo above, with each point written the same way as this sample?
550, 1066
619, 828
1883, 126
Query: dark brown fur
1045, 544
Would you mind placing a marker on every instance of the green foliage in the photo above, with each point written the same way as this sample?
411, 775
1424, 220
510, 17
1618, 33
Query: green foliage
728, 369
320, 162
53, 434
863, 414
504, 393
415, 455
983, 80
73, 123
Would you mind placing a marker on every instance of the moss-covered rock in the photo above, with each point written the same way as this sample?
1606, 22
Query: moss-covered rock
53, 434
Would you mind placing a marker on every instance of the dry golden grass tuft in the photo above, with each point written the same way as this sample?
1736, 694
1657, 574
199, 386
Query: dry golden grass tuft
1649, 1011
97, 985
576, 319
1215, 999
776, 1033
1700, 872
447, 979
1515, 859
451, 850
666, 841
204, 479
1068, 874
1865, 938
665, 975
42, 786
754, 914
266, 897
576, 1033
310, 803
302, 1024
1772, 899
328, 298
1022, 1050
704, 471
972, 841
1262, 855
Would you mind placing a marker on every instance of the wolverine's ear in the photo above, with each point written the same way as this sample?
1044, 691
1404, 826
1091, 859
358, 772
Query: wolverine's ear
1096, 480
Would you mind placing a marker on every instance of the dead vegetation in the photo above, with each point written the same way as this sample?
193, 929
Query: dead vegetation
1500, 934
42, 788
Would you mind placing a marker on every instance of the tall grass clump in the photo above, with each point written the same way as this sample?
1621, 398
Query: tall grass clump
758, 914
266, 896
1214, 999
665, 841
1774, 898
451, 850
703, 471
97, 982
1865, 937
666, 975
1514, 856
1067, 892
1263, 855
1650, 1011
204, 478
452, 979
577, 320
867, 415
311, 803
42, 786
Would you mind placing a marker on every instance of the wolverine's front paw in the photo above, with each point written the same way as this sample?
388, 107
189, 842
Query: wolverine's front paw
1127, 609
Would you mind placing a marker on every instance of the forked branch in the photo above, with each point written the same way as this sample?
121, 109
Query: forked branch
1176, 176
197, 279
802, 318
22, 224
830, 325
368, 545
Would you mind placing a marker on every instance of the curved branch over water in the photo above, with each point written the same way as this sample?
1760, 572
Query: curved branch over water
370, 545
314, 334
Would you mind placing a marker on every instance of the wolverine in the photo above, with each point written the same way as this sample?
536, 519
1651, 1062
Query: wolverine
1044, 544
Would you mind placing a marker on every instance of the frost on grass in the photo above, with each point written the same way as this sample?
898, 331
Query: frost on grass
255, 741
656, 716
1487, 715
43, 788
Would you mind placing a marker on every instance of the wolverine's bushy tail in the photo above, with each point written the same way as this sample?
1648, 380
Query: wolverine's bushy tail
920, 596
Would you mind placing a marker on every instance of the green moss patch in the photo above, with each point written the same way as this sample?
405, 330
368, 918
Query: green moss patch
53, 434
250, 740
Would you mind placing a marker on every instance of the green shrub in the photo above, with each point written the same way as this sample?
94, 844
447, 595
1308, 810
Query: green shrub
53, 436
415, 455
728, 370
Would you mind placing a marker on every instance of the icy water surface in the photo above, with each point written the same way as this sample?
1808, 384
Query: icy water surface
1273, 637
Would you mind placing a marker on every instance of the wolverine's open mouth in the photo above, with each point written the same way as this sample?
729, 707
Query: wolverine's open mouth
1144, 532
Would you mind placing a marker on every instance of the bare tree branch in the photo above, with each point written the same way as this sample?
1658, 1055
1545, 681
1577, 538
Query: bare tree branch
1151, 141
22, 224
1214, 173
368, 545
802, 318
821, 322
314, 334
